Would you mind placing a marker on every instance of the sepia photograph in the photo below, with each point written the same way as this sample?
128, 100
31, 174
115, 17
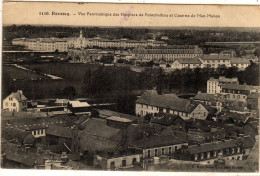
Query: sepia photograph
130, 87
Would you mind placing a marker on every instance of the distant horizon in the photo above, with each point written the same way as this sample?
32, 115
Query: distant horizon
255, 29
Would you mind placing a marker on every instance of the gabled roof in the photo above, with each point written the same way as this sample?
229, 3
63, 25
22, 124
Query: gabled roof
59, 131
95, 143
98, 127
238, 116
18, 96
253, 95
78, 104
238, 87
162, 101
238, 60
215, 57
245, 142
97, 136
189, 61
104, 113
165, 119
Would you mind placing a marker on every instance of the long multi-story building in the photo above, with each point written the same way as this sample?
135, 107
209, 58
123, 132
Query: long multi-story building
237, 92
169, 53
42, 44
215, 60
62, 44
153, 103
215, 85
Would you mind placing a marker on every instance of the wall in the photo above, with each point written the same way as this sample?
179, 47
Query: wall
19, 106
199, 112
118, 161
159, 150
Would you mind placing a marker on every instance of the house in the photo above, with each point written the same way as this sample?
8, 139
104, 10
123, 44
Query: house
237, 92
209, 100
200, 136
215, 85
232, 149
61, 102
181, 63
116, 162
15, 102
240, 63
78, 107
156, 146
215, 60
103, 141
153, 103
205, 98
169, 120
236, 117
59, 138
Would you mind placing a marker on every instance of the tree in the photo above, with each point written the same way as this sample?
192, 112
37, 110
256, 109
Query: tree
148, 117
69, 92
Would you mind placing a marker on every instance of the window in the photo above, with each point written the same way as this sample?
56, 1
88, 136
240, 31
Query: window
156, 152
149, 153
134, 161
6, 103
34, 132
176, 148
162, 151
123, 162
170, 150
14, 104
112, 165
41, 131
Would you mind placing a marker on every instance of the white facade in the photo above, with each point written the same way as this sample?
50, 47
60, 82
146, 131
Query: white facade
199, 112
38, 133
15, 102
160, 151
214, 86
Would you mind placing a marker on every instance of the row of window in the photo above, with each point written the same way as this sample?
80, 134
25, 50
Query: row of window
12, 104
156, 152
38, 132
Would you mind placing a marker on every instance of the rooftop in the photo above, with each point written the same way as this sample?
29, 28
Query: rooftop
18, 96
119, 119
189, 61
205, 97
165, 119
253, 95
104, 113
78, 104
238, 87
60, 131
159, 141
238, 60
169, 102
215, 57
245, 142
99, 128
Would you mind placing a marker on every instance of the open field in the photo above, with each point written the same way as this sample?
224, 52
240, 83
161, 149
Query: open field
64, 70
11, 72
